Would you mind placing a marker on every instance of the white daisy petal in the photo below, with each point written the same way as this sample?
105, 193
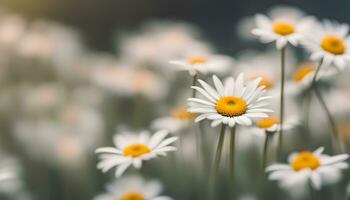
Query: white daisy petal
157, 138
316, 180
121, 169
137, 147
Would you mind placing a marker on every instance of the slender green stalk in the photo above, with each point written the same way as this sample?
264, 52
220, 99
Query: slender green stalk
138, 111
232, 154
218, 152
266, 145
326, 109
280, 141
194, 81
307, 106
216, 163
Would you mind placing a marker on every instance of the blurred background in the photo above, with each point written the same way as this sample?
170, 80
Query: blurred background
75, 72
99, 20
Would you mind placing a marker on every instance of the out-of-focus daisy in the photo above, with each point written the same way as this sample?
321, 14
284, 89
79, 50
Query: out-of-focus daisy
284, 27
172, 39
265, 65
133, 188
44, 97
204, 63
330, 42
272, 124
178, 119
132, 149
344, 130
130, 81
67, 133
234, 102
11, 29
306, 71
318, 168
50, 41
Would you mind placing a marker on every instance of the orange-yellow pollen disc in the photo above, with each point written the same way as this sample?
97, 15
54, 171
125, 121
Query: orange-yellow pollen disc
302, 72
197, 60
305, 160
267, 122
231, 106
333, 44
265, 80
283, 28
133, 196
344, 130
181, 113
136, 150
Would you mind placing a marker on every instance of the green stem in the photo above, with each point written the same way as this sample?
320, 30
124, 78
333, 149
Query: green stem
232, 154
280, 141
137, 111
266, 144
194, 81
325, 108
217, 158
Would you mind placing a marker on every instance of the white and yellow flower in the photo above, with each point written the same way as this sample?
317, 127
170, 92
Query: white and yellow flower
171, 38
303, 75
178, 119
128, 81
204, 63
282, 27
329, 42
272, 124
133, 188
305, 166
132, 149
265, 65
234, 102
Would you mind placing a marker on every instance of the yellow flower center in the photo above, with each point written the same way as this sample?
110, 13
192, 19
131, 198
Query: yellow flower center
305, 160
267, 122
181, 113
133, 196
283, 28
197, 60
136, 150
231, 106
344, 130
265, 80
302, 72
333, 44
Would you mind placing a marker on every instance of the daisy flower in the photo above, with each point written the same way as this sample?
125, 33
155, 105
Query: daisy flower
306, 71
272, 124
303, 75
178, 119
133, 188
12, 28
234, 102
204, 63
265, 65
132, 149
329, 42
307, 166
282, 27
128, 81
